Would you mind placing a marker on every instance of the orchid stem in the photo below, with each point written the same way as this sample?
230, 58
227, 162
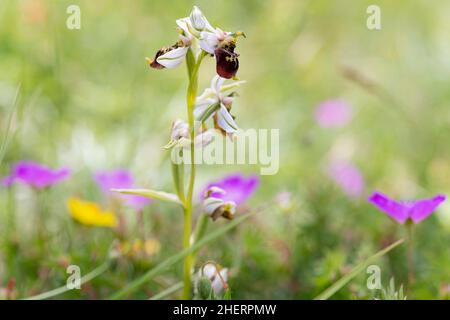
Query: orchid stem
191, 96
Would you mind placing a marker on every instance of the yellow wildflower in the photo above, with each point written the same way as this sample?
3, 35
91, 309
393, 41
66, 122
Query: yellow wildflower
137, 248
90, 214
152, 247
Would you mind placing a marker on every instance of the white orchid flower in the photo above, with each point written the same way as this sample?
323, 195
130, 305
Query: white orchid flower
197, 33
180, 136
217, 276
171, 57
216, 101
180, 129
216, 207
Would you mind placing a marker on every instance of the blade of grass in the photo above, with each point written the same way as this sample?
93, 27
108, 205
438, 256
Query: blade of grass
88, 277
9, 125
136, 284
354, 272
168, 291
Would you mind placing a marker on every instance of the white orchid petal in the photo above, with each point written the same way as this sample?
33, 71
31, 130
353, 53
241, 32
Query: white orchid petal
231, 86
180, 129
208, 41
227, 100
215, 190
216, 83
172, 58
225, 120
204, 138
208, 94
199, 21
183, 24
202, 106
211, 204
209, 271
217, 284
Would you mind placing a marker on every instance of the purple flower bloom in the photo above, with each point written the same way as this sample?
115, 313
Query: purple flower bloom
333, 114
237, 187
401, 211
347, 177
120, 179
35, 175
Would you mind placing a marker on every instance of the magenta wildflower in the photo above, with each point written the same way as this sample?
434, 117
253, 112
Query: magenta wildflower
120, 179
333, 114
401, 211
35, 175
347, 177
237, 187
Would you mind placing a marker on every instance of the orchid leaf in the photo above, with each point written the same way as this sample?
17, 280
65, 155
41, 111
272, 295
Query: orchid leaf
152, 194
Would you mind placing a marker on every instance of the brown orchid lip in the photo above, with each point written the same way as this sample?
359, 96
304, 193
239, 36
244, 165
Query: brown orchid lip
227, 63
153, 63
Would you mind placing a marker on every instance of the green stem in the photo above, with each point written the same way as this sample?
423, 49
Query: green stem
168, 291
41, 196
411, 271
190, 99
200, 230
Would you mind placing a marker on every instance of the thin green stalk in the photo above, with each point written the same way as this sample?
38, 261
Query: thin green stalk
200, 229
88, 277
168, 291
410, 248
6, 138
190, 101
41, 198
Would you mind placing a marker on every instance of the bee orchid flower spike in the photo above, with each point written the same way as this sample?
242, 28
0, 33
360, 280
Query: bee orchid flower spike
197, 40
198, 34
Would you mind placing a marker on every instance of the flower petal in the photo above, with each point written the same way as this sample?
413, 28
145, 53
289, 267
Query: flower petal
208, 41
173, 57
211, 204
199, 21
183, 24
202, 106
217, 284
423, 208
238, 188
392, 208
216, 83
227, 63
225, 120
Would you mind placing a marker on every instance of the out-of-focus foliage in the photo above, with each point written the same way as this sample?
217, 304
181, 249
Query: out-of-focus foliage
87, 100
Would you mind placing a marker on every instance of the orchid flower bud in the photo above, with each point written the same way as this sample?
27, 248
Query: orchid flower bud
180, 129
217, 276
216, 207
204, 138
198, 20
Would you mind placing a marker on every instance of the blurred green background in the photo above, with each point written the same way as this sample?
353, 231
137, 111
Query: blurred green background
86, 99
